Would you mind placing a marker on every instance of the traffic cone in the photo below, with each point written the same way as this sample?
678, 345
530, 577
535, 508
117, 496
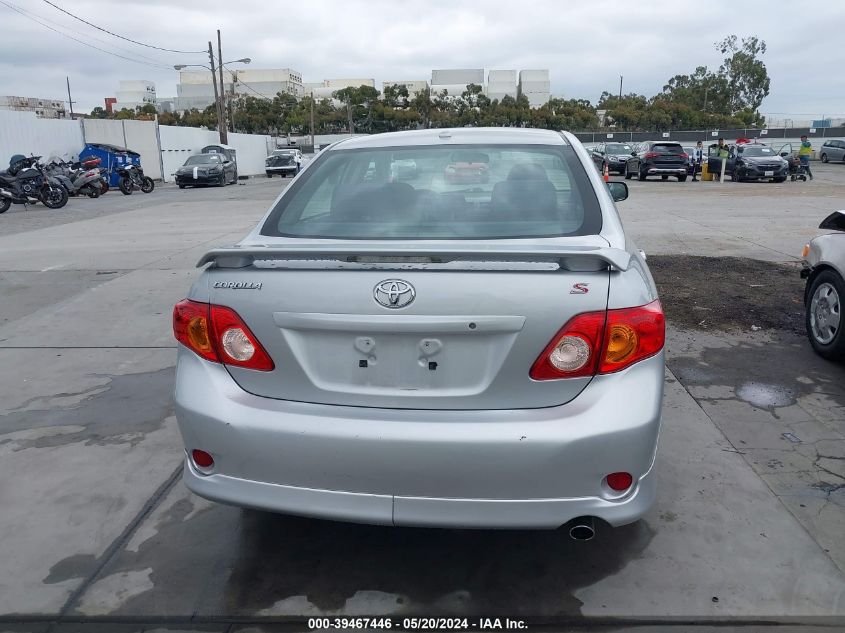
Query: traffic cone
605, 174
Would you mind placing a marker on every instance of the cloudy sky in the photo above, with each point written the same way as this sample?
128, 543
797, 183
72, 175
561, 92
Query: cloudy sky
585, 45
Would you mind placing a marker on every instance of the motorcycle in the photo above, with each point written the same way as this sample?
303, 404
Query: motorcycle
78, 178
132, 177
27, 182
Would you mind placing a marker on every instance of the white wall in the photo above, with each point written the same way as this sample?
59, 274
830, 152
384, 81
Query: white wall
139, 136
24, 133
177, 143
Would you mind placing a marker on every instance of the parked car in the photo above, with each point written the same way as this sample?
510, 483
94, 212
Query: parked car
832, 150
657, 158
824, 295
426, 356
286, 162
467, 167
206, 169
615, 155
756, 161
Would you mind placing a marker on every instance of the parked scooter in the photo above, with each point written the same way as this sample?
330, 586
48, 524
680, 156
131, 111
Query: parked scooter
27, 182
132, 177
78, 178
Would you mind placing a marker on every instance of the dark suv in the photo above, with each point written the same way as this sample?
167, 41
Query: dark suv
614, 155
658, 158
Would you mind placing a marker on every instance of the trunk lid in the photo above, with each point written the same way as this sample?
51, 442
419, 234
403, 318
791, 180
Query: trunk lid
410, 326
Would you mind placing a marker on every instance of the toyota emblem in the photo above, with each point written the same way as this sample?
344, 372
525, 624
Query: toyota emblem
394, 293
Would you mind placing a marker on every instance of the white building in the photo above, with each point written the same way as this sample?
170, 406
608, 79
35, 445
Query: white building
413, 86
195, 89
135, 93
455, 80
43, 108
324, 89
535, 85
501, 83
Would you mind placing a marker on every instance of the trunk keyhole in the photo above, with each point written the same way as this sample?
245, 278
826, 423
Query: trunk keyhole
432, 366
363, 364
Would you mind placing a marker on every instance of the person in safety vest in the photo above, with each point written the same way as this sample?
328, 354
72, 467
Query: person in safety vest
804, 153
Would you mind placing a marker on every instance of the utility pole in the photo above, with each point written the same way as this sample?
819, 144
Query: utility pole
349, 116
224, 134
220, 127
312, 121
69, 99
620, 87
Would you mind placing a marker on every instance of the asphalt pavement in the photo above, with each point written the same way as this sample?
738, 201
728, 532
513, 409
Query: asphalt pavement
100, 534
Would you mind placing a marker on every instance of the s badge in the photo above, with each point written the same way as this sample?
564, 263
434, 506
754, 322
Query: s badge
579, 289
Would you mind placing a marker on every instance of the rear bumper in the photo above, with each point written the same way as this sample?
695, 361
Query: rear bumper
285, 169
526, 468
672, 171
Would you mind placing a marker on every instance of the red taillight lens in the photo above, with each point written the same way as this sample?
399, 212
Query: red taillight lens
602, 342
573, 350
684, 155
218, 334
236, 345
619, 481
632, 334
651, 155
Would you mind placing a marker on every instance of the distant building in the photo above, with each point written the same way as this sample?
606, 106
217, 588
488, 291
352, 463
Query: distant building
501, 83
110, 101
195, 89
43, 108
135, 93
324, 89
535, 85
455, 80
413, 86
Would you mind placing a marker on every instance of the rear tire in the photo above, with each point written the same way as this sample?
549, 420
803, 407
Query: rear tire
93, 193
781, 179
664, 177
147, 185
222, 180
125, 186
642, 175
824, 158
269, 175
682, 178
825, 299
5, 203
181, 186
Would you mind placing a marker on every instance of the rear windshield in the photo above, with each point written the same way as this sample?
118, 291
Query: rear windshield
617, 148
437, 192
667, 148
203, 159
758, 151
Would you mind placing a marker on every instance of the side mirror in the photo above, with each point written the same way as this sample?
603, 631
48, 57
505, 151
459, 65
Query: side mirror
618, 190
633, 153
784, 154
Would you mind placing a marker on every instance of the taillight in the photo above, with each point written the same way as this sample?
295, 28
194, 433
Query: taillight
218, 334
572, 352
602, 342
651, 155
684, 155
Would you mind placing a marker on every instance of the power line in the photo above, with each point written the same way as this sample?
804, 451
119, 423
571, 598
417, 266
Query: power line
37, 17
70, 37
243, 83
76, 17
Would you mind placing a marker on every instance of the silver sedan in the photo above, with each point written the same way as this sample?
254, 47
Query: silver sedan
434, 353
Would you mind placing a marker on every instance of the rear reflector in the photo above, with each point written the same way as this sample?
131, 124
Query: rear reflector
218, 334
202, 459
602, 342
619, 481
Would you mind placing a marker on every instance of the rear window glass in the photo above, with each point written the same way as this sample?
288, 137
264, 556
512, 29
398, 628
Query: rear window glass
758, 151
203, 159
618, 148
440, 192
667, 148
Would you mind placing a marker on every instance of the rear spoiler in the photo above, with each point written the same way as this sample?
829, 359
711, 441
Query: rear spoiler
244, 256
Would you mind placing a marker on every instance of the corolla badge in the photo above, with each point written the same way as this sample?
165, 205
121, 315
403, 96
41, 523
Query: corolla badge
394, 293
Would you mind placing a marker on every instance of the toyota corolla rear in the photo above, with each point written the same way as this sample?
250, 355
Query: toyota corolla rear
433, 353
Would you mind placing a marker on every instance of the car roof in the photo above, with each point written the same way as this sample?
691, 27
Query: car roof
454, 136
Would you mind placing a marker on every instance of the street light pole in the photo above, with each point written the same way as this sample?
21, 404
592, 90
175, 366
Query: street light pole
620, 87
220, 127
224, 129
312, 120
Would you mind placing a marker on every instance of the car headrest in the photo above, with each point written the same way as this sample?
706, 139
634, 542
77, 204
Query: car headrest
527, 171
363, 202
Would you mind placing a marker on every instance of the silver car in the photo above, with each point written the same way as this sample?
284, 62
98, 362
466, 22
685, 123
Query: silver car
824, 268
437, 354
832, 151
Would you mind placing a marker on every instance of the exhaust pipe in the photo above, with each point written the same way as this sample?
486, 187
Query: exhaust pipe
582, 529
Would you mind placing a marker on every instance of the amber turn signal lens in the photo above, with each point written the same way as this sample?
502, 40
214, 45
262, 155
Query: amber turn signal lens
198, 334
622, 342
806, 250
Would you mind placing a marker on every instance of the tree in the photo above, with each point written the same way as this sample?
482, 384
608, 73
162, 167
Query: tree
99, 113
747, 77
